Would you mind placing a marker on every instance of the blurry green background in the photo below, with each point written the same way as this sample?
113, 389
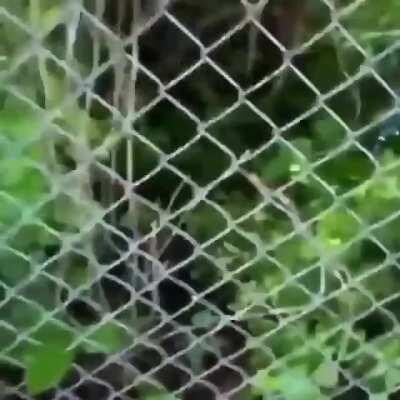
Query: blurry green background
305, 163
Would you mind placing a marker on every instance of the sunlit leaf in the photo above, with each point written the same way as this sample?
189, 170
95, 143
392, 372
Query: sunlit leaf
46, 366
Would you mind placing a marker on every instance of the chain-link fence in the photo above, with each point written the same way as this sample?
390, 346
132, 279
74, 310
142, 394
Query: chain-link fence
199, 200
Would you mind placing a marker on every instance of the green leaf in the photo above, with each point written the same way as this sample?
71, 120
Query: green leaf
23, 181
19, 123
108, 338
380, 396
299, 387
78, 274
164, 396
292, 296
392, 378
20, 314
337, 227
150, 392
292, 383
304, 146
390, 350
278, 169
205, 319
50, 18
54, 332
9, 211
71, 212
13, 269
264, 382
55, 89
46, 366
326, 374
329, 134
8, 337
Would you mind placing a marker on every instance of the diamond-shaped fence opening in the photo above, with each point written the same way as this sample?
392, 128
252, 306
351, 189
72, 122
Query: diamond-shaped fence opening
199, 200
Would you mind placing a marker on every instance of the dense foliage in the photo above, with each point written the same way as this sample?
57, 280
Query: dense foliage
289, 195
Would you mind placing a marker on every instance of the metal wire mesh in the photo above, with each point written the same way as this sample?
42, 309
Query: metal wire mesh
199, 200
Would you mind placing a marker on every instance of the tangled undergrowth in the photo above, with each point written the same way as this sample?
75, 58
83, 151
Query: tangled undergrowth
213, 220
